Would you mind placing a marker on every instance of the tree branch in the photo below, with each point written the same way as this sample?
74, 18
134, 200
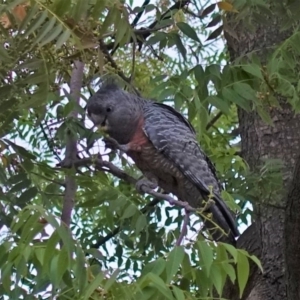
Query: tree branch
139, 15
110, 59
184, 228
147, 31
109, 167
71, 146
214, 120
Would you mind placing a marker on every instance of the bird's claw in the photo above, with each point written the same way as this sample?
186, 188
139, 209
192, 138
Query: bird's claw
112, 144
144, 184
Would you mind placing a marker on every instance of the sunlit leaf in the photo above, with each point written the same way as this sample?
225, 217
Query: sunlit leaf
226, 6
206, 255
216, 33
174, 260
242, 271
188, 31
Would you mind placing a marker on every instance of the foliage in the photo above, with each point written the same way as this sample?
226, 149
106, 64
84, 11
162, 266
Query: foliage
172, 53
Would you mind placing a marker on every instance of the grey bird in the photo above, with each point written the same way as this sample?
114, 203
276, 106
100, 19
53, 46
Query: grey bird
163, 145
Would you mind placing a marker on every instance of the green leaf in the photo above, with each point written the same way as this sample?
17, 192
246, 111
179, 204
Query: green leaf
216, 20
230, 249
265, 116
95, 253
178, 293
4, 56
61, 7
155, 267
156, 38
32, 64
253, 70
98, 9
28, 195
80, 270
140, 223
206, 256
122, 29
20, 150
219, 103
6, 275
234, 97
229, 269
242, 271
20, 220
244, 90
93, 286
31, 228
217, 278
174, 260
214, 70
215, 33
80, 9
36, 23
209, 9
188, 31
256, 261
45, 29
129, 211
111, 280
199, 74
64, 37
50, 249
178, 42
53, 34
110, 18
31, 12
18, 178
62, 264
160, 285
53, 271
20, 186
21, 268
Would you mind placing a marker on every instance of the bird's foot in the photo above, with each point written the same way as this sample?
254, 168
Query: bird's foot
112, 144
143, 185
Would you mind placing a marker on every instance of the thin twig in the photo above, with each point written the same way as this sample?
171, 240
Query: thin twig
184, 228
49, 179
214, 120
167, 15
169, 199
110, 59
48, 142
139, 15
133, 63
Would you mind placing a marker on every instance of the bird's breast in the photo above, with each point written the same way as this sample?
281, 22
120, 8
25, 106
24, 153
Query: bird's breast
150, 160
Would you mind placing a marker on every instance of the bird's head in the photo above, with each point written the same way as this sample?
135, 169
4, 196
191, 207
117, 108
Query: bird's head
114, 111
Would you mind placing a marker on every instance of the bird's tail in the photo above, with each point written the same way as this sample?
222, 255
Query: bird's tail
222, 225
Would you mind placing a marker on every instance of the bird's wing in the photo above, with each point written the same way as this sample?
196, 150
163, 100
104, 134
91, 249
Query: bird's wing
174, 136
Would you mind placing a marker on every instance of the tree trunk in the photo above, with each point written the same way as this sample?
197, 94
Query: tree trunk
275, 236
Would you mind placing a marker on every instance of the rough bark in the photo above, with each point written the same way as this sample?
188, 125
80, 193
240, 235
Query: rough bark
292, 237
273, 223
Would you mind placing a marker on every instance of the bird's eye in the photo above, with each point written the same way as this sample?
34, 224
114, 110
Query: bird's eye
108, 109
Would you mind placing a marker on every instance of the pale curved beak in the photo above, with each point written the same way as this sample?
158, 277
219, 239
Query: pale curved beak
98, 119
